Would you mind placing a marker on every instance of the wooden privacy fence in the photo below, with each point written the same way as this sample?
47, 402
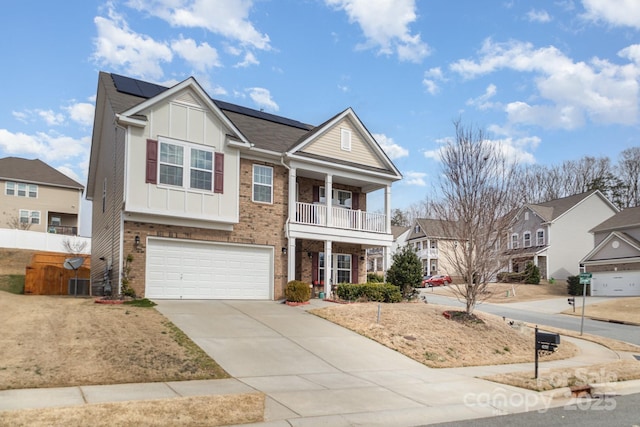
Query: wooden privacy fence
46, 275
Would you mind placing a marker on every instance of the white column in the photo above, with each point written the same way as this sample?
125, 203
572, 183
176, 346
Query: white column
328, 195
386, 260
293, 196
387, 207
328, 268
291, 259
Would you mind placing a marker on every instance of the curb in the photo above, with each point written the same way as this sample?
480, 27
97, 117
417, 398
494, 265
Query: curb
597, 389
620, 322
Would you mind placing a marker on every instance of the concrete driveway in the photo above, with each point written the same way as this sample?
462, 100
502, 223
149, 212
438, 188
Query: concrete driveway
317, 373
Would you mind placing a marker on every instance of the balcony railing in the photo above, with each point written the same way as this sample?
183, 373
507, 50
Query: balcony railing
349, 219
427, 253
62, 229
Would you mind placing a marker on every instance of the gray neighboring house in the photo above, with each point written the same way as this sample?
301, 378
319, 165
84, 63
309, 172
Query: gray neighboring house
615, 259
38, 197
553, 234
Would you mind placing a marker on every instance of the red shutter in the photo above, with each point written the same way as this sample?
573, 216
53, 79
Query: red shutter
314, 268
354, 268
218, 173
152, 161
355, 201
316, 194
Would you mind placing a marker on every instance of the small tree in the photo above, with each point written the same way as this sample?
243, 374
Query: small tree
405, 272
18, 225
531, 274
74, 246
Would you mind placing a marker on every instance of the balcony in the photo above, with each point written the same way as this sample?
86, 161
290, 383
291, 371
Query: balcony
346, 219
430, 253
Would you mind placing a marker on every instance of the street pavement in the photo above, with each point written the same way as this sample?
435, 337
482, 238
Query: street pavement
315, 373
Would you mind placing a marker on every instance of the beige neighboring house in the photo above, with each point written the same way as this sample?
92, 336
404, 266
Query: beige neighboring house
553, 235
433, 246
614, 261
203, 199
36, 197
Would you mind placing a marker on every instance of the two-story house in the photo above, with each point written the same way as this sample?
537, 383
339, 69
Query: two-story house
614, 261
553, 234
376, 261
434, 245
203, 199
36, 197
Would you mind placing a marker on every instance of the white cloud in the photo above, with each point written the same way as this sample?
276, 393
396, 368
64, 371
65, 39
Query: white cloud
483, 102
20, 115
81, 112
262, 98
229, 19
120, 48
568, 92
538, 16
393, 150
385, 24
45, 146
431, 77
50, 117
202, 57
249, 59
414, 178
624, 13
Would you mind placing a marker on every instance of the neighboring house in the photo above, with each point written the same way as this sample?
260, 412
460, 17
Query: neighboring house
36, 197
376, 256
434, 246
203, 199
615, 259
553, 234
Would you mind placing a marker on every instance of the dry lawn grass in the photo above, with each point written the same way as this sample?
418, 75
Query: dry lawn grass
421, 332
619, 309
622, 370
497, 292
191, 411
51, 341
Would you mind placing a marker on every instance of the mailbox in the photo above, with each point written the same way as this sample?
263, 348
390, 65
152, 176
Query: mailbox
571, 301
546, 341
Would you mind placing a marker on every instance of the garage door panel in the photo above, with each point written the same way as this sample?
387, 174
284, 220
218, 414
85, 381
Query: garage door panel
616, 283
196, 270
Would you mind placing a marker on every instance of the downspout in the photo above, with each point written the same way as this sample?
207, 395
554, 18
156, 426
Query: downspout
286, 222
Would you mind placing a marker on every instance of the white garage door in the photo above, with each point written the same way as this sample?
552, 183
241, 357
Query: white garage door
616, 284
184, 269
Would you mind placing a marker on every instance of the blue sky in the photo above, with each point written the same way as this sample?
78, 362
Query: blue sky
548, 80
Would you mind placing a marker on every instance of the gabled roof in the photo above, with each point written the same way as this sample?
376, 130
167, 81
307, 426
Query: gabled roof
397, 231
434, 228
554, 209
627, 218
634, 243
34, 172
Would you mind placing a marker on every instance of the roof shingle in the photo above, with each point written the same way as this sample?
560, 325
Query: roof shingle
35, 172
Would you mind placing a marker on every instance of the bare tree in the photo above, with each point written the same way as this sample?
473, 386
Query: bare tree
74, 246
628, 170
477, 197
18, 225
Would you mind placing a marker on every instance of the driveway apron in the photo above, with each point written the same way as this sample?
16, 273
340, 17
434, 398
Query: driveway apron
315, 372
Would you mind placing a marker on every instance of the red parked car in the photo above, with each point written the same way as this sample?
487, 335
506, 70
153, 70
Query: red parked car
438, 280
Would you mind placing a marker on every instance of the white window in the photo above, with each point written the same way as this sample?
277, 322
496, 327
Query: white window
345, 139
540, 238
526, 216
526, 239
182, 165
262, 184
416, 229
418, 246
343, 268
29, 217
341, 198
22, 190
10, 188
33, 191
514, 241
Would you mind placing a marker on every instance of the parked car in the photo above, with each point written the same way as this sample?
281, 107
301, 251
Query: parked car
438, 280
424, 280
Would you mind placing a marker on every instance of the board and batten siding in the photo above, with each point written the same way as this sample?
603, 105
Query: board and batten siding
182, 120
329, 145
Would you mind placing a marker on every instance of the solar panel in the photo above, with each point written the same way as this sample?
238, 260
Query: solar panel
260, 115
136, 87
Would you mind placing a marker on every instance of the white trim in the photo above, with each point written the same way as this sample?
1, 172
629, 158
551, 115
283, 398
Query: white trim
524, 242
253, 184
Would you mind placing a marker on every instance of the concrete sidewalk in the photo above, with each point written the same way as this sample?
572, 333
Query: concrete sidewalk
316, 373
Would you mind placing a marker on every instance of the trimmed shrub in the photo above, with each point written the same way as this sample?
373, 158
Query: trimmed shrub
375, 278
406, 272
532, 274
574, 287
507, 277
379, 292
297, 291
